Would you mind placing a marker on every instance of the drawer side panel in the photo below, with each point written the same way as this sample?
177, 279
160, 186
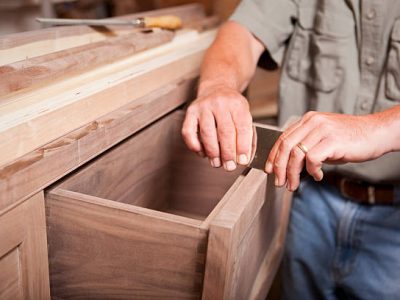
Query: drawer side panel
246, 240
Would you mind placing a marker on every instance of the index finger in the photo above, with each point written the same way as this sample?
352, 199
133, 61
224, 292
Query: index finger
272, 154
190, 133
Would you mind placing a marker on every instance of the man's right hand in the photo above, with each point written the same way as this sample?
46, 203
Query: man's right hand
218, 124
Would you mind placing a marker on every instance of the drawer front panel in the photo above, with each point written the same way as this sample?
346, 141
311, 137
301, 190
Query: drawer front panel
98, 251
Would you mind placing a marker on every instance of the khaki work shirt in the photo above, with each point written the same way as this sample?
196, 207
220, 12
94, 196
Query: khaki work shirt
338, 56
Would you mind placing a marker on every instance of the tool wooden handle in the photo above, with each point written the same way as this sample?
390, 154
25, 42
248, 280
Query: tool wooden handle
165, 22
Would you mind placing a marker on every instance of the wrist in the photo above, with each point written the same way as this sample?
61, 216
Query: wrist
394, 128
208, 86
387, 124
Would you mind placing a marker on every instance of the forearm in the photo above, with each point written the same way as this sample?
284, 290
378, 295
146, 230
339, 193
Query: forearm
389, 124
218, 123
332, 138
231, 60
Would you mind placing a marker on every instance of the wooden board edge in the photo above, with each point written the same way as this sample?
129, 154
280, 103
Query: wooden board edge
270, 265
86, 142
227, 229
62, 194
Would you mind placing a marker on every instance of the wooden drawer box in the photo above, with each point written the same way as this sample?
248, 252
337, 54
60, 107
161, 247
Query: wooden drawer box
148, 219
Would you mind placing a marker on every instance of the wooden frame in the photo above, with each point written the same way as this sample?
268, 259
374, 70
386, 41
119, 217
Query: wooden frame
23, 251
204, 221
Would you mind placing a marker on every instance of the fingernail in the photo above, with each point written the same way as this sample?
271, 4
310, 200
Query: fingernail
288, 187
201, 154
229, 165
215, 162
319, 176
242, 159
268, 168
276, 181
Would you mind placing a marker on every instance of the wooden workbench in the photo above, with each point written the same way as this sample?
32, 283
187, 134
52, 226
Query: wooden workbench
99, 198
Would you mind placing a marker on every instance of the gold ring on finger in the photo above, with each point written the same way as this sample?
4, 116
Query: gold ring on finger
302, 148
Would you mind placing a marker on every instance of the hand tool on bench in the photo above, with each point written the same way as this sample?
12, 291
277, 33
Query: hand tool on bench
164, 22
264, 139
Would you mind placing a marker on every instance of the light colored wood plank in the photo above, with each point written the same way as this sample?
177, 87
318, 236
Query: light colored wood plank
40, 116
125, 255
63, 64
21, 46
70, 151
23, 233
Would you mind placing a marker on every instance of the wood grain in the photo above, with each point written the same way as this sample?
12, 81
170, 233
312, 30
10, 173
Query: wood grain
40, 115
21, 46
41, 70
23, 239
73, 149
195, 186
10, 288
245, 230
154, 169
273, 257
241, 241
126, 254
138, 172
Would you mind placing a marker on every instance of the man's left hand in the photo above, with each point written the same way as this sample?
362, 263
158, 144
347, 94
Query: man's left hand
324, 137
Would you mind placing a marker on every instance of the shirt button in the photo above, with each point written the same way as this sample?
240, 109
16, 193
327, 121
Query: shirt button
365, 105
371, 14
370, 60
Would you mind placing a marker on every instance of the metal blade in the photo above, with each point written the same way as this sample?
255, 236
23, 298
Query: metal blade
265, 137
89, 22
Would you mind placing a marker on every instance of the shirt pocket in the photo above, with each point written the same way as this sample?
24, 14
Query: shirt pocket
316, 47
392, 88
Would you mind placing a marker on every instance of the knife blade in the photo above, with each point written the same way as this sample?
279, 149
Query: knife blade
264, 138
164, 22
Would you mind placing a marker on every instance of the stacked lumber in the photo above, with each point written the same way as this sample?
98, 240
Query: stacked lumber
59, 85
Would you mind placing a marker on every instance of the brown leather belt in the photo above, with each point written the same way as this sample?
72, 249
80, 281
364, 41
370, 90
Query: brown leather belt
361, 191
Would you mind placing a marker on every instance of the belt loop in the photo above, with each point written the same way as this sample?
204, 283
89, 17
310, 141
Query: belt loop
371, 194
396, 194
343, 187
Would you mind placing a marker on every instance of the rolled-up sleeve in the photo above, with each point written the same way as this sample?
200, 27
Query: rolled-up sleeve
270, 21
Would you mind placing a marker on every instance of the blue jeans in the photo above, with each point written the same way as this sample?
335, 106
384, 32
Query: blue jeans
336, 249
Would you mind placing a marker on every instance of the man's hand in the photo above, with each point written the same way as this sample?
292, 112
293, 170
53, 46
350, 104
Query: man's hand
326, 137
218, 124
